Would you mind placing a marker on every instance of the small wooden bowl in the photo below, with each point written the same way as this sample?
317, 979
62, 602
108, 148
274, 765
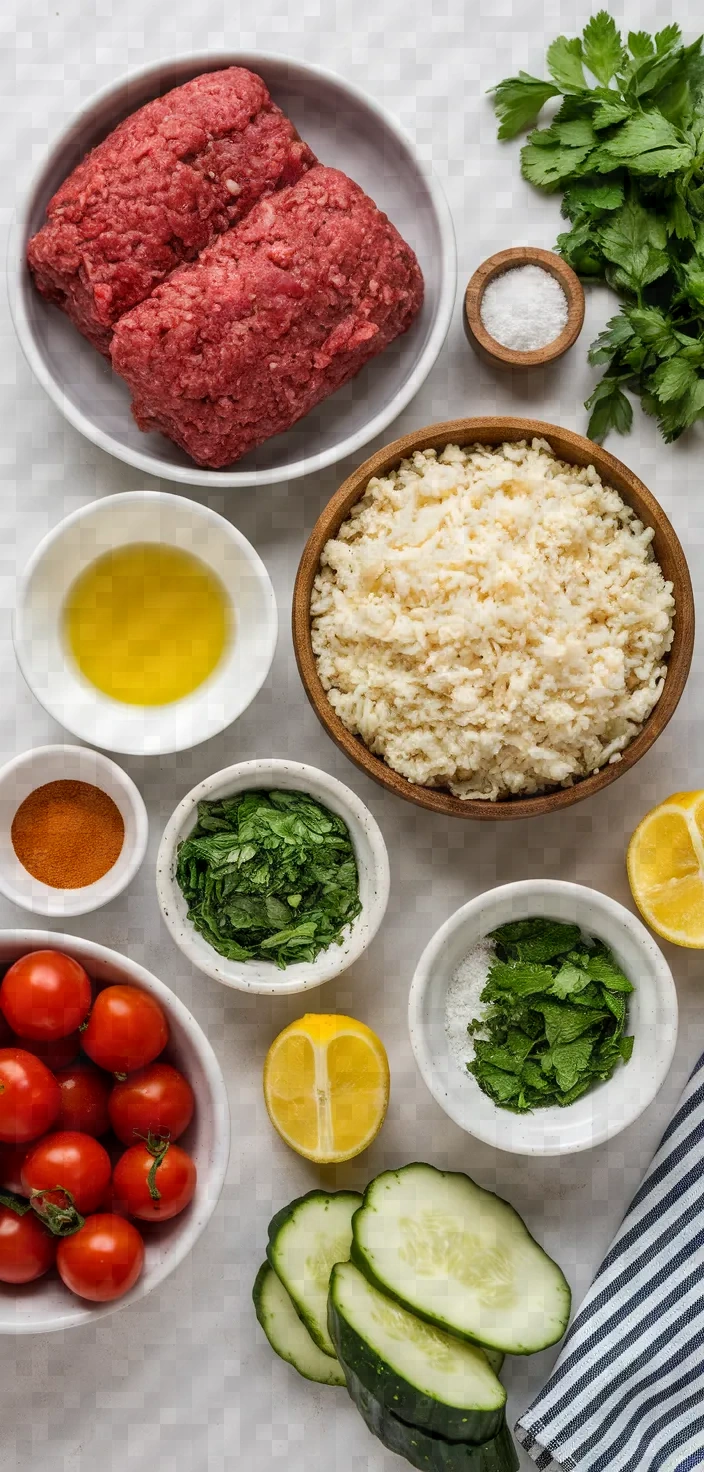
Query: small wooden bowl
577, 451
494, 352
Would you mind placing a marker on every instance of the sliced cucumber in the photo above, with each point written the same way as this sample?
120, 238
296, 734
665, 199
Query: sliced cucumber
461, 1258
306, 1239
287, 1336
428, 1452
421, 1374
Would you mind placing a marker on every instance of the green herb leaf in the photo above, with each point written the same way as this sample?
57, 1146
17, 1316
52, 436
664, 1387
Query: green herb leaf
618, 331
536, 939
548, 165
571, 1060
519, 100
673, 379
564, 1023
565, 64
521, 978
601, 46
606, 970
610, 410
570, 979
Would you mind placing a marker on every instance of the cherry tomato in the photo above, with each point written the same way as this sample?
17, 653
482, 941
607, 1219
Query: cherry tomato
84, 1100
29, 1096
71, 1161
103, 1260
26, 1248
174, 1178
45, 995
157, 1100
12, 1158
126, 1030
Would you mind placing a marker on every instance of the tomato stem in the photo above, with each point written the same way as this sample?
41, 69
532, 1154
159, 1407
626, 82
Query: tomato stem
157, 1145
14, 1203
62, 1219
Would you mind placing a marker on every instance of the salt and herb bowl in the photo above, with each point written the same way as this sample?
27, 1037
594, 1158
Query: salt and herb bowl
486, 346
372, 864
48, 665
608, 1107
34, 769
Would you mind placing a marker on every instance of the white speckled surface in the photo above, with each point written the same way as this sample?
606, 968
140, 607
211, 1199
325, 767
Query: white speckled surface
184, 1382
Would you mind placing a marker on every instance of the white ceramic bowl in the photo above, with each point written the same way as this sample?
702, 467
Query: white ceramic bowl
346, 129
49, 668
46, 1305
68, 764
372, 864
606, 1109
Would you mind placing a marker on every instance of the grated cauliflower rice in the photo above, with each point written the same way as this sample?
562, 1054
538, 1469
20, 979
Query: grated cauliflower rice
492, 620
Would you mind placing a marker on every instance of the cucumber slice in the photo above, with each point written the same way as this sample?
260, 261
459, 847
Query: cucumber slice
432, 1453
416, 1371
306, 1239
461, 1258
287, 1336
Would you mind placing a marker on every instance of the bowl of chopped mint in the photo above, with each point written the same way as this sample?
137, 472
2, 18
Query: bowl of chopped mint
272, 876
543, 1017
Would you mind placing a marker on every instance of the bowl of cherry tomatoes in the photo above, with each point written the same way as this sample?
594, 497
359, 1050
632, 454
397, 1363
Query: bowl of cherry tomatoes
114, 1131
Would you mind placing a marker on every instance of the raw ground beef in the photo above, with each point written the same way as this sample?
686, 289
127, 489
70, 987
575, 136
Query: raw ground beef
159, 189
272, 318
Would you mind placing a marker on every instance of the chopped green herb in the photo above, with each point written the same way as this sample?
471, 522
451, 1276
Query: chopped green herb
557, 1007
269, 876
626, 147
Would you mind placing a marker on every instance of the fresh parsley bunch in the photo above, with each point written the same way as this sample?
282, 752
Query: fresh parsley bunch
556, 1016
627, 149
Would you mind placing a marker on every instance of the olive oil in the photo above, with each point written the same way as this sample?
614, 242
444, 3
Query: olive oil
147, 623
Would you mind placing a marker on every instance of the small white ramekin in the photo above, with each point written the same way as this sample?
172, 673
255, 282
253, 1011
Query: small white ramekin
607, 1108
372, 863
33, 769
50, 670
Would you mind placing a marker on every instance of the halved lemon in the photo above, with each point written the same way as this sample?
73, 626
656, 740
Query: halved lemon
666, 869
326, 1086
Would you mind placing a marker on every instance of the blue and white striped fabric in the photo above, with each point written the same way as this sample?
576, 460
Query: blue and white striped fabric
627, 1393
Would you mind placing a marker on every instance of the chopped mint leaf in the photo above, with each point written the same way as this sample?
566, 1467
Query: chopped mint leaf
570, 979
536, 940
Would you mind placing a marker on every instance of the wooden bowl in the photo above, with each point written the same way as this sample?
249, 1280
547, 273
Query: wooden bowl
577, 451
505, 260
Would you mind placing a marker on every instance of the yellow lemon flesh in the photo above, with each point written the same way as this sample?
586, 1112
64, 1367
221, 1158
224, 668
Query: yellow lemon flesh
666, 869
326, 1086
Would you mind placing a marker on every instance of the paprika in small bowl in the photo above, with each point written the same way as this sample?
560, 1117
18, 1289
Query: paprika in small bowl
73, 830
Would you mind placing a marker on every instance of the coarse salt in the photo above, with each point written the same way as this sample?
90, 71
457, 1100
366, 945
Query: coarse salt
462, 1002
524, 308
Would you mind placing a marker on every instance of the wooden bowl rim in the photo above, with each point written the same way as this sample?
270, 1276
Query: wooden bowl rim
567, 445
507, 260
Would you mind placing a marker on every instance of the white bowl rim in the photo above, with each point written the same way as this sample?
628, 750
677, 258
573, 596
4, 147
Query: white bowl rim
269, 768
140, 975
542, 888
129, 498
109, 889
187, 475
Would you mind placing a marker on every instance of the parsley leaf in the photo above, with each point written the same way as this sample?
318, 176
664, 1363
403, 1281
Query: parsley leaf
565, 64
602, 49
518, 102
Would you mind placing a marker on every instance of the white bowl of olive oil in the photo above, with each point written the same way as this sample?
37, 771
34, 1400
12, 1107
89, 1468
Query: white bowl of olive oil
145, 623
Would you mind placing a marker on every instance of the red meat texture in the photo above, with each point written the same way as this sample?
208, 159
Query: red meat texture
271, 319
170, 179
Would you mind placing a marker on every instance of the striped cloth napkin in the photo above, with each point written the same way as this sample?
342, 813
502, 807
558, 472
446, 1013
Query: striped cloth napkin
627, 1392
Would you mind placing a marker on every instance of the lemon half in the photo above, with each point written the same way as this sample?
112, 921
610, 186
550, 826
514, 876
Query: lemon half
326, 1086
666, 869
